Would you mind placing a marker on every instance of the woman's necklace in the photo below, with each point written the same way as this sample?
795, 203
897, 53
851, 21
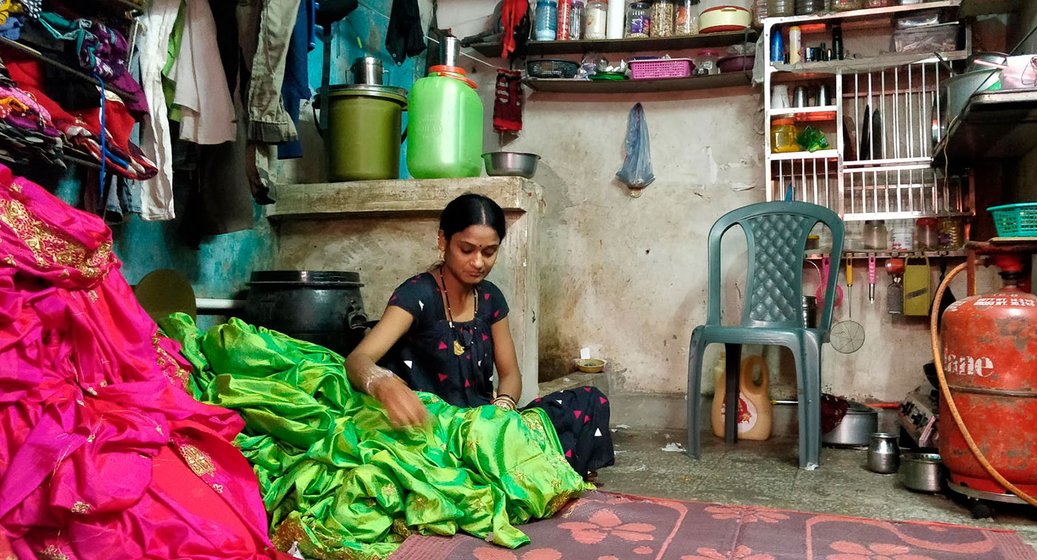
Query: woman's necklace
458, 348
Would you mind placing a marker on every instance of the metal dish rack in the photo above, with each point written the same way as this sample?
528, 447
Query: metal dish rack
881, 164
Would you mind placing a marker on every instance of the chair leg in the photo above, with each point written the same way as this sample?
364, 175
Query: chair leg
694, 394
732, 388
808, 369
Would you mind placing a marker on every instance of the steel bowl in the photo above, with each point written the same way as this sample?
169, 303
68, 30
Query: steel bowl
516, 164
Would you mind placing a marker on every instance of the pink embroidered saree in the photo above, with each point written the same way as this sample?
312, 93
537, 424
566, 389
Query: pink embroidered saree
102, 452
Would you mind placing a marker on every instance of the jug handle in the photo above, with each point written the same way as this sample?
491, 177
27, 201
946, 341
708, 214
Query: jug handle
748, 385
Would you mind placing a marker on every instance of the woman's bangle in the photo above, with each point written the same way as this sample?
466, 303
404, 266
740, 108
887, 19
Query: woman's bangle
505, 402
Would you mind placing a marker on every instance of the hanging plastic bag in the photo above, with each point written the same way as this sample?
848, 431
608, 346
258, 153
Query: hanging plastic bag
636, 172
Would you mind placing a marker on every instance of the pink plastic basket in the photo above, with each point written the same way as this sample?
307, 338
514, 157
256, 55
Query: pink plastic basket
659, 68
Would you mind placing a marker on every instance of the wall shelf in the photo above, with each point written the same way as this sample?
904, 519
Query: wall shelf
994, 125
700, 41
868, 13
5, 42
731, 79
813, 70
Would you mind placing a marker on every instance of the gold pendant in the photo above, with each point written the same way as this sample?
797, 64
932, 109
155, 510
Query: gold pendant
458, 349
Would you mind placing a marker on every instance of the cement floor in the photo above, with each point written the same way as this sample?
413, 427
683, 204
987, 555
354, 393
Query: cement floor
766, 473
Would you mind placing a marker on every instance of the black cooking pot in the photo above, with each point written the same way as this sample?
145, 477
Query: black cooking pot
319, 306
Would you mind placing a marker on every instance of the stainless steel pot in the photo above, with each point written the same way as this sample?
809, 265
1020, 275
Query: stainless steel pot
921, 472
855, 429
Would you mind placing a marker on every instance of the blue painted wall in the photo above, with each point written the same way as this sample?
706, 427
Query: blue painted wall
220, 268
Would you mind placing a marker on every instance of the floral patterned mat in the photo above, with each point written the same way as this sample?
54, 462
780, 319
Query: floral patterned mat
607, 526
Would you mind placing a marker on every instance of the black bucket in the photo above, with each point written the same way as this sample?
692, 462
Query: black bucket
318, 306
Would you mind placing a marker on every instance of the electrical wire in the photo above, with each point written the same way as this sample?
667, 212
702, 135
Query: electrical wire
949, 398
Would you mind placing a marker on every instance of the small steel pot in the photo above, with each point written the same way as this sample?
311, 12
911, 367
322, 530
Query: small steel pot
921, 472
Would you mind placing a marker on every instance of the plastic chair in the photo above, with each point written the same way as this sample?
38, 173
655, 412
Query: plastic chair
776, 236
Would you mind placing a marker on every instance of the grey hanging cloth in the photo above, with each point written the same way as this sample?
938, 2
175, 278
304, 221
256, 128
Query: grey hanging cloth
405, 37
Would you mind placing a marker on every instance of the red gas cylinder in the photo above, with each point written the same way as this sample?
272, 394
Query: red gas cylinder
990, 362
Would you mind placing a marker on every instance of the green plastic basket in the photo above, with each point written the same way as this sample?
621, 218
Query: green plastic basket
1015, 220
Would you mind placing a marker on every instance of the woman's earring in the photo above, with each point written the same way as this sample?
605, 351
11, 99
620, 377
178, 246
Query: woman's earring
442, 256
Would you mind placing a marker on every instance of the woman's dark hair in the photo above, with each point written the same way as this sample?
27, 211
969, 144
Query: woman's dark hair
471, 210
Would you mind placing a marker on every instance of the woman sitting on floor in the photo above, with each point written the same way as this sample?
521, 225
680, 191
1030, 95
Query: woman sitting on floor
444, 330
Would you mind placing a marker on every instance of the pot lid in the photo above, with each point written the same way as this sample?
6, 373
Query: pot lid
390, 93
306, 277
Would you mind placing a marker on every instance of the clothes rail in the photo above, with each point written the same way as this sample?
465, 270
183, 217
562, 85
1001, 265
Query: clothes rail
57, 64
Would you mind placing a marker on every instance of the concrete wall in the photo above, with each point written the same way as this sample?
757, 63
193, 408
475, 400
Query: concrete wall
626, 276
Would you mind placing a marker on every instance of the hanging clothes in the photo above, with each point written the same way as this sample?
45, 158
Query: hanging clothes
206, 110
157, 24
404, 37
267, 27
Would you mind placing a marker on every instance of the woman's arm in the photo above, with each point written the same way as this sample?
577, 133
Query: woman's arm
509, 379
402, 404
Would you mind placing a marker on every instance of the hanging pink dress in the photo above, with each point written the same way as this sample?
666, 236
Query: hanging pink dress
102, 452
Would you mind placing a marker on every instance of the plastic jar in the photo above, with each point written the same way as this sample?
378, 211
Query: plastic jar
926, 237
576, 20
445, 126
595, 19
875, 234
545, 25
903, 236
686, 18
639, 20
662, 18
565, 14
949, 233
783, 136
706, 62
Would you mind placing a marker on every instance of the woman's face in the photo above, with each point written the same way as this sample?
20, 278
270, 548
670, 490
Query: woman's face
470, 254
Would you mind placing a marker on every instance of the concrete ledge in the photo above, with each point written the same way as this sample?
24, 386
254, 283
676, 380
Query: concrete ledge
398, 198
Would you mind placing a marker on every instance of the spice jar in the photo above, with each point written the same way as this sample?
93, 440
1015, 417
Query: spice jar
662, 18
595, 19
949, 233
783, 136
903, 236
875, 234
686, 18
926, 237
639, 20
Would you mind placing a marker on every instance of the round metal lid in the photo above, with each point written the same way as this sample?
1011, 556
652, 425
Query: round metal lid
390, 93
338, 278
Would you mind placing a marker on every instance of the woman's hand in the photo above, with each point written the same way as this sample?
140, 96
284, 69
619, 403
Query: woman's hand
403, 405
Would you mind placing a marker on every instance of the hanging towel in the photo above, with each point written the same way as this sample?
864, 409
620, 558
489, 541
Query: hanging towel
512, 15
206, 111
507, 103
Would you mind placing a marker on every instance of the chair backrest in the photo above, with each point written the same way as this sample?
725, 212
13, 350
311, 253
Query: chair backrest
776, 237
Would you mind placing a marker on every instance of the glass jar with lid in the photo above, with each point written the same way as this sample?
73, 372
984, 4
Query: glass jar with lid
686, 18
926, 237
876, 236
662, 18
639, 20
950, 233
595, 19
844, 5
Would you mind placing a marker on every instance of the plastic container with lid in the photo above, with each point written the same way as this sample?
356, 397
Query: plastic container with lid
565, 14
686, 18
445, 126
875, 234
545, 20
903, 236
576, 20
662, 18
926, 237
783, 136
595, 19
639, 20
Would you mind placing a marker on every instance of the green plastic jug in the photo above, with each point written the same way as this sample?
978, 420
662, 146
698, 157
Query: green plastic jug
445, 122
